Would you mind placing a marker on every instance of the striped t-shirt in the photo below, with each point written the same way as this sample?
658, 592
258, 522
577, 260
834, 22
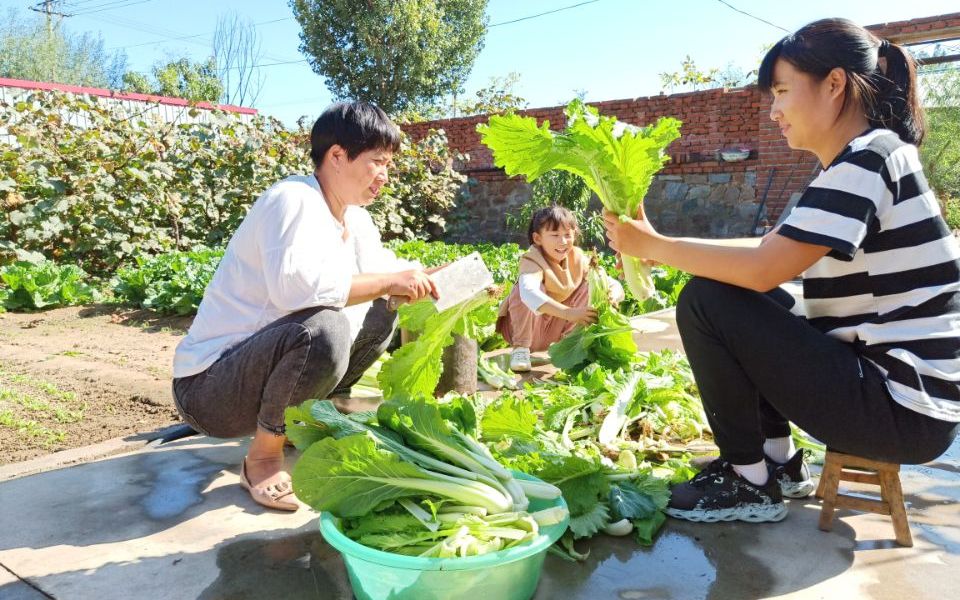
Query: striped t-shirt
890, 284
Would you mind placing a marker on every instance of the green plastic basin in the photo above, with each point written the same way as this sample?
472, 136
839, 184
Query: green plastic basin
510, 574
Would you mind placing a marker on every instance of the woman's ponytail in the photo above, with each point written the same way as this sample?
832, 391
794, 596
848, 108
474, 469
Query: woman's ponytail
896, 105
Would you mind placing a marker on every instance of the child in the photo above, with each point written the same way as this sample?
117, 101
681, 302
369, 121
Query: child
873, 368
551, 296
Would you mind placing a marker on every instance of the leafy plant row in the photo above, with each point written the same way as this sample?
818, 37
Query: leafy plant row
174, 281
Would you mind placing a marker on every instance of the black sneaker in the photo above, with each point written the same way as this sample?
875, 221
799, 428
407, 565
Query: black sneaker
793, 475
718, 493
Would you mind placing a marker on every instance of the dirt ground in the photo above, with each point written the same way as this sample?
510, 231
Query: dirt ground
76, 376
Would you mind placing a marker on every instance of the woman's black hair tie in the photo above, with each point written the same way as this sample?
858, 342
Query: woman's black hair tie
884, 48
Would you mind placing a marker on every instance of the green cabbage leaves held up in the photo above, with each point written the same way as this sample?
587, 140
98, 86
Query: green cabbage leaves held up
608, 342
616, 160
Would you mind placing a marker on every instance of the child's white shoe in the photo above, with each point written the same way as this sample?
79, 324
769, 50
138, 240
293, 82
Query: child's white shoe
520, 360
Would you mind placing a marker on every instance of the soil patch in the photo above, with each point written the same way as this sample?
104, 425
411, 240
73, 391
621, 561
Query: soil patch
75, 376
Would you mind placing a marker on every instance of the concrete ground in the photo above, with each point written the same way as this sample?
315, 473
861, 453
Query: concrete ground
169, 520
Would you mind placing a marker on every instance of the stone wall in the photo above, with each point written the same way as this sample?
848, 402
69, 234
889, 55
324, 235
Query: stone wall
481, 214
715, 205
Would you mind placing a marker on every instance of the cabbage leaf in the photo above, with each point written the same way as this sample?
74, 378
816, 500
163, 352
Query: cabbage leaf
617, 161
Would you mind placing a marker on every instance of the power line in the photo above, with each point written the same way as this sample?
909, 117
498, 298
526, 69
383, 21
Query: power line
728, 5
46, 7
549, 12
118, 21
188, 37
107, 6
76, 3
527, 18
172, 35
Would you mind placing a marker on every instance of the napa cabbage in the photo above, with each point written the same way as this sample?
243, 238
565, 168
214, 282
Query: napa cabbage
616, 160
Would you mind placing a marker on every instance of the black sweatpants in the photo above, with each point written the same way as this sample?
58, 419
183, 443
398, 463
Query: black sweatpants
758, 366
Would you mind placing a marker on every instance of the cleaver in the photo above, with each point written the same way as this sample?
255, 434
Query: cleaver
457, 282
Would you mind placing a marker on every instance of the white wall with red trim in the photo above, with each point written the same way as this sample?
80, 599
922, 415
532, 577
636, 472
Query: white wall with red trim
164, 108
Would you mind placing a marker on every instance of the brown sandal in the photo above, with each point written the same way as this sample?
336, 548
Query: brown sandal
274, 492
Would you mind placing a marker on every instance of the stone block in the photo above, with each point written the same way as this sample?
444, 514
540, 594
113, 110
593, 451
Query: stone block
695, 179
719, 178
667, 223
750, 178
747, 210
675, 191
698, 192
732, 195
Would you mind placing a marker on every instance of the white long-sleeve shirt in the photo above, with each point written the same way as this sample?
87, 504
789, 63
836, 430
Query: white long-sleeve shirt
533, 295
288, 254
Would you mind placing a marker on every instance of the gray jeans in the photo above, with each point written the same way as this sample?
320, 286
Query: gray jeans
306, 354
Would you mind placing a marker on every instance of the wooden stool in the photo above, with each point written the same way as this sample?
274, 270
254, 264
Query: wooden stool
839, 466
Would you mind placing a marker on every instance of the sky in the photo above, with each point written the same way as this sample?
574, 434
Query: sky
607, 49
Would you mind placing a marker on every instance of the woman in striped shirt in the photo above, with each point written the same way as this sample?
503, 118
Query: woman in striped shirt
872, 369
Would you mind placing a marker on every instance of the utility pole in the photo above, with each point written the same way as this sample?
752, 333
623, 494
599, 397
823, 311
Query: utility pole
47, 7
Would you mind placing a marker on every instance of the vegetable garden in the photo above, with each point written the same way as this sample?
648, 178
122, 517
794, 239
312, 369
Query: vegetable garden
127, 213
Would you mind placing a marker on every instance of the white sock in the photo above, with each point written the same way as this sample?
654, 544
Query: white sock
779, 449
755, 473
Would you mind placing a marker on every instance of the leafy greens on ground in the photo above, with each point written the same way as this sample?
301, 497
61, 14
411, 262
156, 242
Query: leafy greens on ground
608, 342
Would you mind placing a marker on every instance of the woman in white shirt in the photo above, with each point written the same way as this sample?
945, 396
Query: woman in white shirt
295, 309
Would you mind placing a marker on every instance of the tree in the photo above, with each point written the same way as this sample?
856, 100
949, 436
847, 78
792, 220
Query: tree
178, 78
237, 50
395, 54
29, 50
692, 77
940, 151
497, 97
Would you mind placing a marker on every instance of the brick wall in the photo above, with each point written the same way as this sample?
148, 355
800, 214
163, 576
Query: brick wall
697, 193
924, 29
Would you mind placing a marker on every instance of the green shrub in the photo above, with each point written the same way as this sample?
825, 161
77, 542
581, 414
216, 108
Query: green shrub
940, 151
173, 282
37, 285
422, 188
91, 185
88, 184
951, 212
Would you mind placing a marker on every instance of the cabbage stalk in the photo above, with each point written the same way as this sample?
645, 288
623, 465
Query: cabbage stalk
616, 160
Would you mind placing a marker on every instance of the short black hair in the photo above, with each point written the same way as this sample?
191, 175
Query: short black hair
552, 218
354, 126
